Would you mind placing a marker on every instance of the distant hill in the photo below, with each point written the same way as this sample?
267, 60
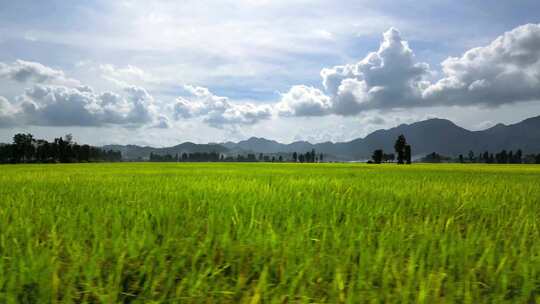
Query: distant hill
432, 135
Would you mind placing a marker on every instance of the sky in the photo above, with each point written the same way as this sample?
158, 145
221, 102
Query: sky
164, 72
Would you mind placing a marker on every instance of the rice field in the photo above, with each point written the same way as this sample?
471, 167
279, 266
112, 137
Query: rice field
269, 233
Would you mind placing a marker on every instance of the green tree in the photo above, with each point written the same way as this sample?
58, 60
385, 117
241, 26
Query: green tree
399, 147
377, 156
518, 156
24, 147
408, 155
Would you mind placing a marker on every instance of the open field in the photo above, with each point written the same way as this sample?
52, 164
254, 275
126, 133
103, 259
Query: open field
271, 233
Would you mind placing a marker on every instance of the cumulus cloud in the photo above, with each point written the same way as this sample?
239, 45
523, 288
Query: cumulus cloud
56, 100
386, 78
505, 71
303, 100
218, 111
27, 71
45, 105
142, 104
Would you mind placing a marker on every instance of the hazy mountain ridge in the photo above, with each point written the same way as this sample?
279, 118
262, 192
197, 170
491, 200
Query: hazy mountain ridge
432, 135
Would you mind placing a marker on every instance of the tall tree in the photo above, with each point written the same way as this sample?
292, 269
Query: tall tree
399, 146
408, 154
486, 157
503, 157
518, 157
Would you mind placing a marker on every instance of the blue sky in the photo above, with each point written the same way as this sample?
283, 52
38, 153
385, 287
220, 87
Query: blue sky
210, 71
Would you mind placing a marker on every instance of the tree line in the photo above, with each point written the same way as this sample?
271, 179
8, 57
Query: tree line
503, 157
403, 152
401, 147
308, 157
27, 149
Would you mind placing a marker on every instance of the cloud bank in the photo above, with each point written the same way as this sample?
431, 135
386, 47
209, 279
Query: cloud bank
62, 106
505, 71
218, 111
27, 71
52, 99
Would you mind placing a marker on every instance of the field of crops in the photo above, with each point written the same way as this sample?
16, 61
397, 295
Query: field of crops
269, 233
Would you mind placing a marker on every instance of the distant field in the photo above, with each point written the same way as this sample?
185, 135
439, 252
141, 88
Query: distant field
271, 233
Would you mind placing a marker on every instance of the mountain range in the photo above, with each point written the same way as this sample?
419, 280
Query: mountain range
432, 135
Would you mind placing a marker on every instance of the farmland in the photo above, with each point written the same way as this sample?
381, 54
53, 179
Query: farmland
270, 233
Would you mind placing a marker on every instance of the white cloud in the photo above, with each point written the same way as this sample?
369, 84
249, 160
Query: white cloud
218, 111
44, 105
387, 78
143, 109
303, 100
505, 71
34, 72
6, 113
5, 106
56, 100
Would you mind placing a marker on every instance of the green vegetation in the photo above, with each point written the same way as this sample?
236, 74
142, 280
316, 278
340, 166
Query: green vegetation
271, 233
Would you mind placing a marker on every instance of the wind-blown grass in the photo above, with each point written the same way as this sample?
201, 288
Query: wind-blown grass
272, 233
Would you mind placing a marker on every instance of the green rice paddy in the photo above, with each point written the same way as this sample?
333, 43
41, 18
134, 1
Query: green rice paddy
269, 233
